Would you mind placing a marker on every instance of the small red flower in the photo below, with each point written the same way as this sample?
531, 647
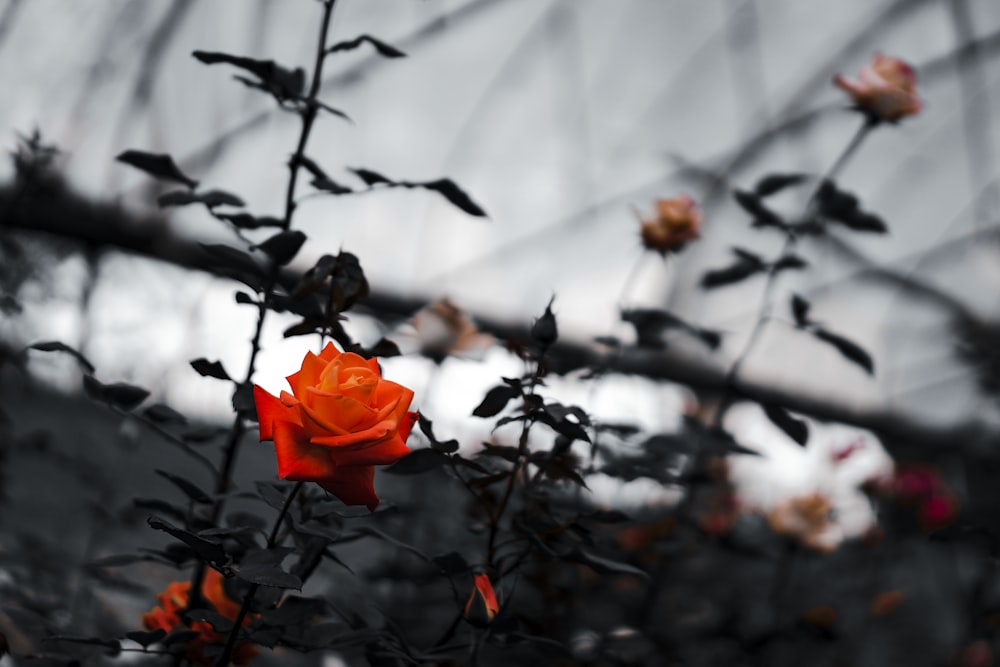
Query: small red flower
174, 600
482, 605
341, 419
886, 89
675, 223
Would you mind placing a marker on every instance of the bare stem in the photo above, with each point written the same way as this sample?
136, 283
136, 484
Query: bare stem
767, 298
272, 539
237, 430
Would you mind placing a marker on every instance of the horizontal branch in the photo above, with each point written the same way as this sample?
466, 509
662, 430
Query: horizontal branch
62, 213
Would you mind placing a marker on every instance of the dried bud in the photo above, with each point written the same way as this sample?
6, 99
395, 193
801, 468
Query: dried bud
886, 89
676, 222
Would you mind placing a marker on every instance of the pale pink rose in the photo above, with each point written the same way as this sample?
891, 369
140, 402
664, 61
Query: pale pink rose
887, 88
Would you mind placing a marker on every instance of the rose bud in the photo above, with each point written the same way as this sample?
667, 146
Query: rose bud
341, 419
886, 89
482, 605
675, 222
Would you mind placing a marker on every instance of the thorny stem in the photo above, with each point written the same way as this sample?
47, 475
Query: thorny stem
522, 450
522, 447
767, 299
238, 428
683, 507
272, 540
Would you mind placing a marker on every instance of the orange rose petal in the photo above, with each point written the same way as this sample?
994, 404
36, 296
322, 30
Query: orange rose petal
361, 391
269, 408
389, 410
370, 436
373, 364
354, 485
407, 425
378, 454
308, 375
298, 460
336, 412
352, 360
330, 352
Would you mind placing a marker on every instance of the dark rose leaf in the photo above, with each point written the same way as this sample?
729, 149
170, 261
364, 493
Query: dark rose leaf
211, 199
281, 82
773, 183
800, 310
244, 298
418, 461
752, 204
733, 273
206, 550
283, 246
56, 346
454, 194
794, 428
157, 165
208, 368
146, 639
247, 221
331, 110
790, 262
230, 257
268, 576
427, 428
371, 177
850, 350
383, 49
123, 395
329, 185
496, 399
384, 348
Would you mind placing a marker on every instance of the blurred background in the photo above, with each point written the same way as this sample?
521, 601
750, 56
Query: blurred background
563, 120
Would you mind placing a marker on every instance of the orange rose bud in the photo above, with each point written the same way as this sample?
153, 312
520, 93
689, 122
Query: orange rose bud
886, 89
482, 605
341, 419
174, 600
676, 222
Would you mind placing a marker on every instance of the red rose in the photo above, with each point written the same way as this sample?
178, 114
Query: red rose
887, 88
340, 421
676, 222
174, 600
